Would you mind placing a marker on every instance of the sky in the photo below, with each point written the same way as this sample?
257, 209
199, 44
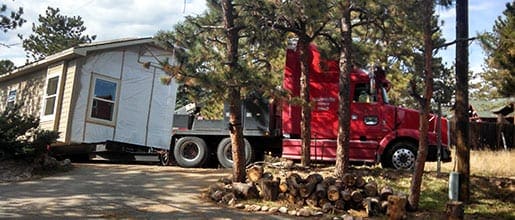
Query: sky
114, 19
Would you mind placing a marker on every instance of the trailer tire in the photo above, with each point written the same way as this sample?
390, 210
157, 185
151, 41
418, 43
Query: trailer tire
190, 152
402, 156
224, 153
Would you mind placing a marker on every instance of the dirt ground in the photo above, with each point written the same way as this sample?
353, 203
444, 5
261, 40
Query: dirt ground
115, 191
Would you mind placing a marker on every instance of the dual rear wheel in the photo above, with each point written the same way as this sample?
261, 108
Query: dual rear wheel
193, 152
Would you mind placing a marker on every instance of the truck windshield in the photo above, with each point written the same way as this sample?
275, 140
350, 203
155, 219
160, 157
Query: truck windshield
384, 93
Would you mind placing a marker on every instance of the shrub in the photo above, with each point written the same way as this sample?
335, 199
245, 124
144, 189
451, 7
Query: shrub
20, 135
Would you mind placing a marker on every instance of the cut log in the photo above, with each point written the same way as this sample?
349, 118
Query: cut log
327, 207
268, 176
217, 195
333, 193
309, 184
295, 201
396, 207
359, 182
372, 207
339, 204
454, 210
370, 189
385, 192
321, 190
346, 195
228, 197
269, 189
312, 200
254, 173
384, 206
283, 186
348, 179
215, 187
293, 180
322, 202
357, 196
329, 181
245, 191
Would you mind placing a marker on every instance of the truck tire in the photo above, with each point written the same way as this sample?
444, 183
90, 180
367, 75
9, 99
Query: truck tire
164, 158
190, 152
224, 153
401, 156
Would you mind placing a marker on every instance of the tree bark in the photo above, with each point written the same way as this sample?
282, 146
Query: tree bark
342, 149
462, 101
305, 123
235, 128
425, 106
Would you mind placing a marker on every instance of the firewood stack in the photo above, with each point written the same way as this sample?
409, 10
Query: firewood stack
314, 191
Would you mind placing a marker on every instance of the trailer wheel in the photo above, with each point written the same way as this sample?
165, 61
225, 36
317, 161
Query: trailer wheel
401, 156
190, 152
224, 153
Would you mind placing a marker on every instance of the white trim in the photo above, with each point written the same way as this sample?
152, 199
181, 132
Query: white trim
91, 97
50, 117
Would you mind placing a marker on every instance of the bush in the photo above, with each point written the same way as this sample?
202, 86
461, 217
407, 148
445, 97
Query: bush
20, 135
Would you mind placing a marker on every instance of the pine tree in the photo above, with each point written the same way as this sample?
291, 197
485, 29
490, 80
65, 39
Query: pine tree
54, 33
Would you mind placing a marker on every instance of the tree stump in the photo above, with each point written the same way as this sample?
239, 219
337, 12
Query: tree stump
454, 210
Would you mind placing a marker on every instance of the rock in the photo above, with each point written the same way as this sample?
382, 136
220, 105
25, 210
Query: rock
283, 210
273, 210
318, 213
304, 212
255, 208
292, 212
252, 208
232, 202
239, 206
347, 217
264, 208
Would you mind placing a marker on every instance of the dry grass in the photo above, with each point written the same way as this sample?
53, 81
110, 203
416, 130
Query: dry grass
483, 163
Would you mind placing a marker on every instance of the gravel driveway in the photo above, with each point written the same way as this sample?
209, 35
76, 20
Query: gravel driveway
118, 192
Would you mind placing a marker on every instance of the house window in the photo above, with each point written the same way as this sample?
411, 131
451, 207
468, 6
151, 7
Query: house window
103, 99
11, 98
50, 100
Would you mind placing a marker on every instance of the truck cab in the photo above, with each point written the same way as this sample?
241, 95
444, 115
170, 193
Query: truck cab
379, 132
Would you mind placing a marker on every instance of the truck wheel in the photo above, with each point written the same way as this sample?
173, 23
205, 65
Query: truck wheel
164, 158
401, 156
190, 152
224, 153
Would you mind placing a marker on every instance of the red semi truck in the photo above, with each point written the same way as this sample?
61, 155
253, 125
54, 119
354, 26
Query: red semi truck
379, 132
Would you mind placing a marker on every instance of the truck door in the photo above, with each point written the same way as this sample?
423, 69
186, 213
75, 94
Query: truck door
366, 128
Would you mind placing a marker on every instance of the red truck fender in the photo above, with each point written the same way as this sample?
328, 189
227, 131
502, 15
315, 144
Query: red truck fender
396, 135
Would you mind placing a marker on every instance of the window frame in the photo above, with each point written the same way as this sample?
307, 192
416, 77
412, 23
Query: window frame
44, 116
11, 99
92, 98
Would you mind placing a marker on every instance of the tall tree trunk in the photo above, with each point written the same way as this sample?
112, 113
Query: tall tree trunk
305, 123
462, 100
425, 106
342, 149
236, 131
